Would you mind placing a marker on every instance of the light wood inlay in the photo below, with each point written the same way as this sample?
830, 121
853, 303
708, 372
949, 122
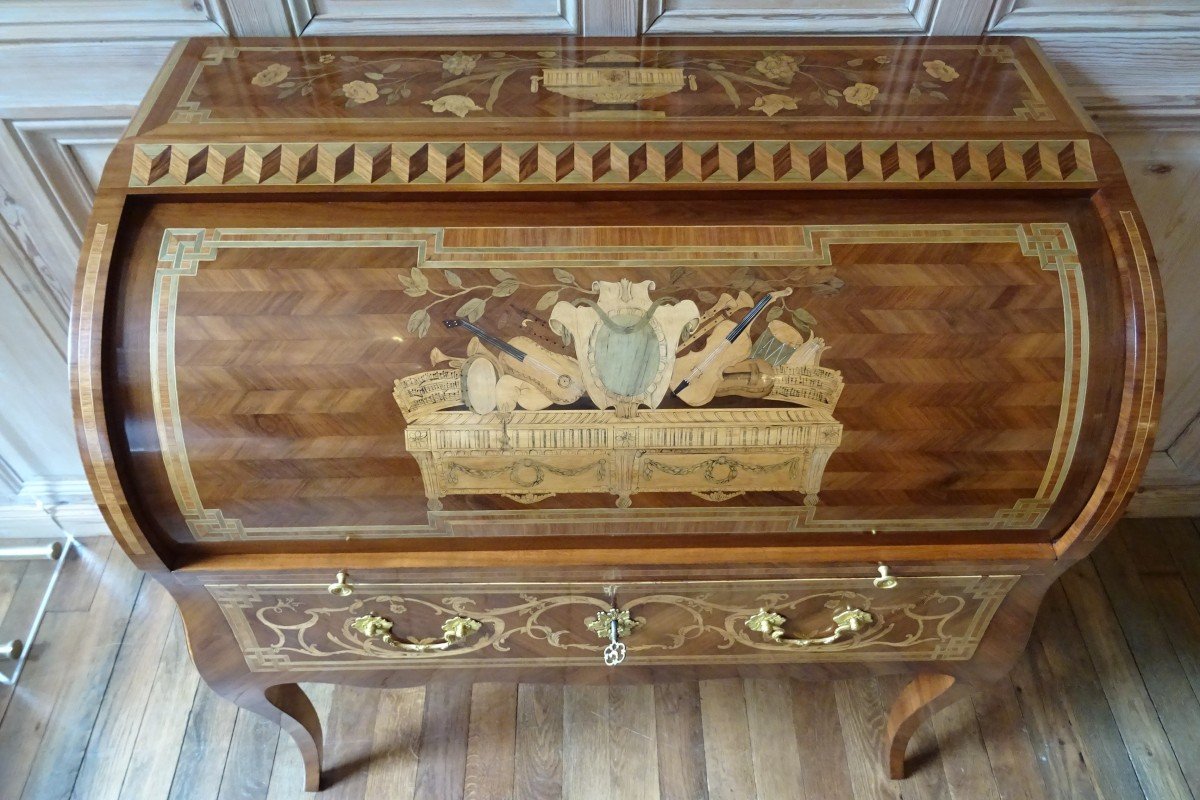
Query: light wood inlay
613, 163
185, 255
108, 487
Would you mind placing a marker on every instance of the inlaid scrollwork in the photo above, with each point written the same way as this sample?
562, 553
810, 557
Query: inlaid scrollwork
299, 627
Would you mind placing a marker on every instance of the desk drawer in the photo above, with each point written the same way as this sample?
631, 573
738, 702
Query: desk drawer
282, 626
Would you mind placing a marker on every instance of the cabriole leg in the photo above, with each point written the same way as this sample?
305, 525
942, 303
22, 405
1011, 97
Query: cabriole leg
287, 705
925, 696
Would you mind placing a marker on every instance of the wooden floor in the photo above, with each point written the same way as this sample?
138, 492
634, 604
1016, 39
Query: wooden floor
1103, 705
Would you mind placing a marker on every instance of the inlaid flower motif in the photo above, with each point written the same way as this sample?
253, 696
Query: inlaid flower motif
360, 91
458, 104
327, 58
860, 94
941, 70
459, 63
772, 104
777, 67
271, 75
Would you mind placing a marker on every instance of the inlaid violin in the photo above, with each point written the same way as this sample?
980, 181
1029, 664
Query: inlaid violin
699, 373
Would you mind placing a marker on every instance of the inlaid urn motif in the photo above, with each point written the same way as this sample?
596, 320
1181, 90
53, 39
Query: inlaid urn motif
613, 79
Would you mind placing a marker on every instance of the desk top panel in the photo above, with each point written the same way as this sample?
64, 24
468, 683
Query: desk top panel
571, 88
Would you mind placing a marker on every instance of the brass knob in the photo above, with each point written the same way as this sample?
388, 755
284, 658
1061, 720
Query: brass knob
341, 587
885, 580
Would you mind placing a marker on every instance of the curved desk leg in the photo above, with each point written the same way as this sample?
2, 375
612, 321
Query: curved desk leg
928, 693
288, 705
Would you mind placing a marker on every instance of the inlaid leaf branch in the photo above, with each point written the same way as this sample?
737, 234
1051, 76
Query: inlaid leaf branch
503, 283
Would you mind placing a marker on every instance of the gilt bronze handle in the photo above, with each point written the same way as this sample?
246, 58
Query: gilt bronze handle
454, 630
846, 621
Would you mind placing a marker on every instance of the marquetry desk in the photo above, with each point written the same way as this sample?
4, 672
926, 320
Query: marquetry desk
400, 361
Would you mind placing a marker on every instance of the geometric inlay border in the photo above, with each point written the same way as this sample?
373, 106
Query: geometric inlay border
604, 162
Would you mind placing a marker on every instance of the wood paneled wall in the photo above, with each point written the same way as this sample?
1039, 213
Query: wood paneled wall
81, 66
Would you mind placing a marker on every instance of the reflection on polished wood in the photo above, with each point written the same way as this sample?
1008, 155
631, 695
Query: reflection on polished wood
946, 396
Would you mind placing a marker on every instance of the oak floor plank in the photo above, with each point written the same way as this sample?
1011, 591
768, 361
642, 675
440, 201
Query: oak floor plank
773, 738
963, 754
824, 772
11, 573
27, 716
1006, 737
1185, 548
1058, 753
586, 773
679, 730
442, 759
152, 762
123, 708
247, 773
1181, 620
396, 745
1178, 605
1106, 756
1145, 739
205, 747
81, 571
350, 743
1165, 680
94, 638
728, 765
28, 584
1096, 709
862, 719
633, 743
491, 742
538, 763
287, 770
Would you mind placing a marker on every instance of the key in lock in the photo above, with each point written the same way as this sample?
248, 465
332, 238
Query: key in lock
614, 654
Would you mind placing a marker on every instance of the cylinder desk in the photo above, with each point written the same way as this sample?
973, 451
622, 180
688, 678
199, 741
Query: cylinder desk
556, 359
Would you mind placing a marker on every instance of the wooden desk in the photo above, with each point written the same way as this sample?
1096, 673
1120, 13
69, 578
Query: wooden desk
943, 394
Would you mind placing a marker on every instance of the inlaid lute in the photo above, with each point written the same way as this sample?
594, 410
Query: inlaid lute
556, 375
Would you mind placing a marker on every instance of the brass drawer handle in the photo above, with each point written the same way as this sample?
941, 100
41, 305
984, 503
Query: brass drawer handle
847, 621
613, 624
342, 586
454, 630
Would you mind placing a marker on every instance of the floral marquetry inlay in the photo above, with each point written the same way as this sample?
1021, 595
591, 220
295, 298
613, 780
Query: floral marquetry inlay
670, 82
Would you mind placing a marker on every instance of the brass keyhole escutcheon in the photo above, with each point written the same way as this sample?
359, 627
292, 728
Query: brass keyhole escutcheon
613, 624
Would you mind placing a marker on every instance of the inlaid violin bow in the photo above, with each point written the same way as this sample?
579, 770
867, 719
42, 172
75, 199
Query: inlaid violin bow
729, 339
